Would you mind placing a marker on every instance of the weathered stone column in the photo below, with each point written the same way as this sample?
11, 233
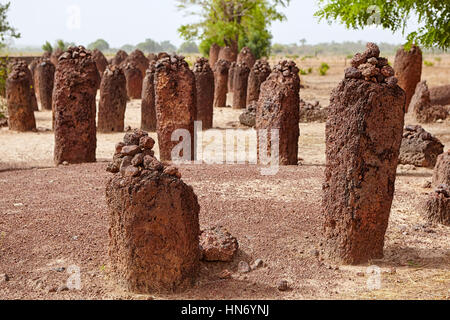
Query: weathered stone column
18, 95
229, 54
100, 61
363, 136
408, 70
278, 108
258, 74
240, 83
148, 108
231, 72
176, 103
221, 69
437, 206
35, 88
44, 78
246, 56
138, 58
421, 106
113, 100
440, 95
134, 80
441, 174
119, 58
154, 224
214, 51
204, 81
76, 83
54, 57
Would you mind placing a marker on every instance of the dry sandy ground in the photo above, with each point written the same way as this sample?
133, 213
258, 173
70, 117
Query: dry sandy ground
53, 218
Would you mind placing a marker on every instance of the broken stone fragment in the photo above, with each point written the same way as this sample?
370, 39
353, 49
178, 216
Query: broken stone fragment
217, 244
146, 143
131, 150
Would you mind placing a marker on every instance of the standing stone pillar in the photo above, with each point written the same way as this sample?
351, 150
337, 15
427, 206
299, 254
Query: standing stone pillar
258, 74
204, 81
119, 58
246, 56
148, 108
134, 80
76, 83
154, 224
175, 103
441, 173
228, 53
363, 136
18, 95
138, 59
113, 100
221, 69
278, 108
44, 78
35, 88
100, 61
408, 70
240, 83
231, 73
214, 54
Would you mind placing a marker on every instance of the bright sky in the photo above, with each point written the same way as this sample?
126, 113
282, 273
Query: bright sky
131, 21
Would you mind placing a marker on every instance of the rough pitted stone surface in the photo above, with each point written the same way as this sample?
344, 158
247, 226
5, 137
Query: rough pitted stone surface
138, 58
277, 108
204, 81
441, 174
162, 55
440, 95
240, 83
148, 109
422, 108
176, 102
34, 89
214, 54
437, 206
231, 72
119, 58
246, 56
152, 57
312, 112
363, 137
113, 100
76, 83
134, 80
227, 53
217, 244
419, 147
100, 61
18, 95
258, 74
54, 57
154, 226
221, 69
248, 118
408, 70
44, 76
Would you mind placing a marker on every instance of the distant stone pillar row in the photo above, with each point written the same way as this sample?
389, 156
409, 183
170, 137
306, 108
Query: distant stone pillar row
76, 83
240, 83
113, 100
176, 104
231, 71
214, 54
363, 137
148, 107
278, 108
134, 80
19, 100
258, 74
221, 69
44, 78
204, 81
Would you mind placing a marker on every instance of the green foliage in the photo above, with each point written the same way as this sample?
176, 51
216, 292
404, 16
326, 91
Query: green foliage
62, 45
428, 63
151, 46
128, 48
3, 74
47, 47
99, 44
324, 67
6, 30
433, 16
188, 47
234, 23
305, 72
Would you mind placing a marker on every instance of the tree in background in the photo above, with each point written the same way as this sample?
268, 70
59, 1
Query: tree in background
188, 47
62, 45
149, 46
99, 44
234, 23
167, 46
6, 30
128, 48
433, 15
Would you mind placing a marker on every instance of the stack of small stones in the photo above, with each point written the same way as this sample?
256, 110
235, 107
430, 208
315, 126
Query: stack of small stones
312, 112
134, 157
285, 68
171, 61
371, 67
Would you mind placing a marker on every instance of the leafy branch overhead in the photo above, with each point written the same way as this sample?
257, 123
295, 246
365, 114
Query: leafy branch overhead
234, 23
432, 16
6, 30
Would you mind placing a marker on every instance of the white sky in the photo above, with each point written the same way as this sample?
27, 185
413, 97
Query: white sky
131, 21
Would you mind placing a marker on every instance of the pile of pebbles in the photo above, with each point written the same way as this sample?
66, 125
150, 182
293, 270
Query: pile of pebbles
371, 67
134, 157
171, 62
79, 52
287, 68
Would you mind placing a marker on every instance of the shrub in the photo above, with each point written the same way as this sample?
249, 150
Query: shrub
428, 63
324, 67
